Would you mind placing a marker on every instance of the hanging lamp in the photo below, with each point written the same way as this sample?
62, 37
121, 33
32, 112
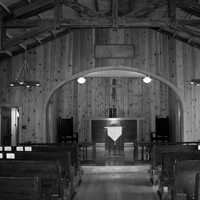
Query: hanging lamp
21, 80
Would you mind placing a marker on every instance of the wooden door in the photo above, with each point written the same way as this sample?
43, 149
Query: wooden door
5, 126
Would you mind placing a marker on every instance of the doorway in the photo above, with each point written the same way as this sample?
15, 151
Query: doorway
9, 125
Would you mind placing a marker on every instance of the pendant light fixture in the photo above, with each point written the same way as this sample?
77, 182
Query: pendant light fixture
147, 79
81, 80
21, 79
195, 82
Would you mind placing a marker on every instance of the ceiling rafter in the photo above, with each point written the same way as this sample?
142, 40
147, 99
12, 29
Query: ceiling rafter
176, 35
5, 8
27, 35
190, 22
49, 25
5, 53
189, 6
10, 37
147, 10
81, 9
31, 9
115, 16
91, 18
36, 7
172, 10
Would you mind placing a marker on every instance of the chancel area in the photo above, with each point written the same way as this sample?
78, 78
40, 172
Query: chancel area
99, 99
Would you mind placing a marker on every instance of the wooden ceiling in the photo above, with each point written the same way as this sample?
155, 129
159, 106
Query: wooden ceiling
29, 23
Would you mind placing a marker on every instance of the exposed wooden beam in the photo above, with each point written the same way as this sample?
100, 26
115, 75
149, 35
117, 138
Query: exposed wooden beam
4, 54
85, 22
37, 6
147, 9
115, 13
42, 26
172, 10
10, 37
2, 30
27, 35
2, 5
184, 29
189, 6
26, 23
58, 13
177, 36
190, 22
33, 8
81, 9
96, 5
183, 37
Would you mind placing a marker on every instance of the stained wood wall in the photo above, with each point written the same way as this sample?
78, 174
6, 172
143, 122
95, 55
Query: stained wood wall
57, 60
188, 67
49, 64
134, 99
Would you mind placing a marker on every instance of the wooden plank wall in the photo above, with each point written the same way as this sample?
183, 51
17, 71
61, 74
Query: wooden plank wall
151, 53
188, 67
134, 99
50, 64
57, 60
151, 49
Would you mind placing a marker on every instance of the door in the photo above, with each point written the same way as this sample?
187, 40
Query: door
5, 126
9, 125
65, 130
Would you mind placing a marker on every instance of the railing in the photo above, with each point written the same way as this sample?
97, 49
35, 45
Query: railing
132, 152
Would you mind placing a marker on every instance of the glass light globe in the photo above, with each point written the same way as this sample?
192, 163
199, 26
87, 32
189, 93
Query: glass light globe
147, 79
81, 80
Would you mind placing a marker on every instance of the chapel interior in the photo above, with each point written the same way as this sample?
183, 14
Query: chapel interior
99, 99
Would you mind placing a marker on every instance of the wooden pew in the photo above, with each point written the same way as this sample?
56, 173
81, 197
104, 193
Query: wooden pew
52, 147
74, 152
62, 157
20, 188
169, 161
158, 150
197, 186
72, 148
185, 178
49, 172
71, 168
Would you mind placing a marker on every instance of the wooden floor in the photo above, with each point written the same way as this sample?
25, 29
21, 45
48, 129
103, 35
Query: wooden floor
115, 183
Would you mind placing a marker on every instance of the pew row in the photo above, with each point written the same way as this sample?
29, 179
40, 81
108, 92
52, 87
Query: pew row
176, 166
20, 188
185, 179
74, 152
159, 150
50, 173
73, 149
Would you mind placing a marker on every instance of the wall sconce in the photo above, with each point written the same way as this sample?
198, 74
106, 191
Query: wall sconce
195, 82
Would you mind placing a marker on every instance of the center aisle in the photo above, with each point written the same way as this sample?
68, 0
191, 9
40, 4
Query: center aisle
115, 183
